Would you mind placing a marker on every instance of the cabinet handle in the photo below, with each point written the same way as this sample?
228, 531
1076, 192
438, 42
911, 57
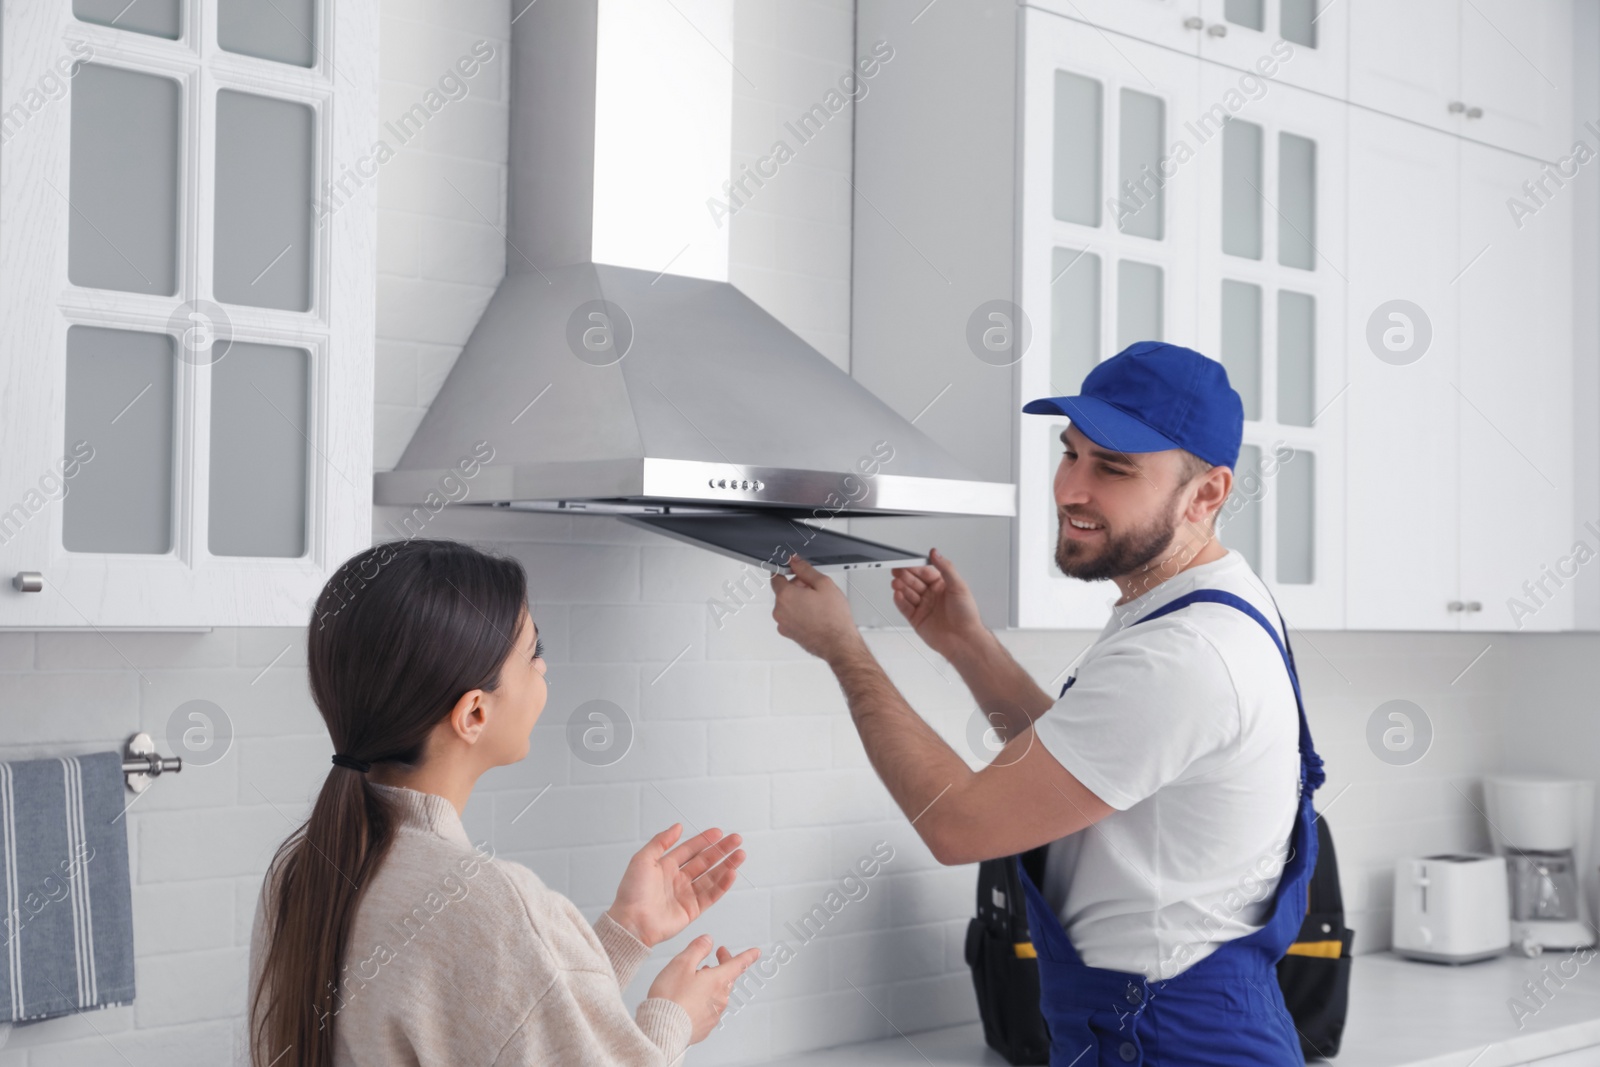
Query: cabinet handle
1455, 605
1474, 112
1194, 22
28, 582
1474, 605
1217, 29
1457, 107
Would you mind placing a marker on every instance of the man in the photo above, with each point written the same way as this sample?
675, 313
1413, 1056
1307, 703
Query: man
1167, 776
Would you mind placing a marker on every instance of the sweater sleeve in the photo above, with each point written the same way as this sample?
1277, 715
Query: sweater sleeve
579, 1018
581, 1021
625, 951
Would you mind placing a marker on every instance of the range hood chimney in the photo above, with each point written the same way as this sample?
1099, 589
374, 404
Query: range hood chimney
616, 369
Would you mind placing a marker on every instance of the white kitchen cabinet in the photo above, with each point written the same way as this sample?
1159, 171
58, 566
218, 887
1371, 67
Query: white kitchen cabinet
1174, 24
186, 309
1442, 470
1308, 38
1496, 71
1515, 416
1402, 449
1460, 489
1270, 305
1109, 231
1231, 241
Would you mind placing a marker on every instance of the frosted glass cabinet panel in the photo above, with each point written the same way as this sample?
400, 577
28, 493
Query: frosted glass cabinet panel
1248, 13
180, 323
1297, 358
1241, 189
1142, 146
126, 144
158, 18
264, 195
284, 31
1297, 201
1241, 342
1074, 319
1139, 303
1297, 520
120, 402
1078, 124
260, 410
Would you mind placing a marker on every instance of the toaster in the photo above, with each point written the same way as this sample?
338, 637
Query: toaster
1451, 908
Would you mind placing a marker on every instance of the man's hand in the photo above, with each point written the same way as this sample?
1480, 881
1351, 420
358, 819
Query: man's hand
814, 612
939, 606
663, 891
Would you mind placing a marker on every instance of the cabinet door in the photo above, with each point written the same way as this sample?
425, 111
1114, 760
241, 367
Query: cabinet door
1108, 232
1169, 23
1516, 68
1402, 500
1271, 277
186, 309
1300, 42
1516, 481
1405, 59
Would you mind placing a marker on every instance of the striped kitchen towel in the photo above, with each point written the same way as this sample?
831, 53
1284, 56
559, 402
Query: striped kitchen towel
68, 927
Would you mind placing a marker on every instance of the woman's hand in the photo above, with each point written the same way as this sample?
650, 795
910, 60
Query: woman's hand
663, 891
702, 992
939, 605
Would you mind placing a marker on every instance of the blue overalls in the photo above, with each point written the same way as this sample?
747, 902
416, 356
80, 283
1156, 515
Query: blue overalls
1227, 1010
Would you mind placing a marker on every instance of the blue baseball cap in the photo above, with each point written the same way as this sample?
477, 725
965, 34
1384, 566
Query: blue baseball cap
1153, 396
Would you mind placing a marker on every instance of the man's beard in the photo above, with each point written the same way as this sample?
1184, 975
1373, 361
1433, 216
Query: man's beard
1120, 554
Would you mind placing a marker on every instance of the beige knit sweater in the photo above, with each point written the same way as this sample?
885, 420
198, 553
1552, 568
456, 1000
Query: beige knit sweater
462, 959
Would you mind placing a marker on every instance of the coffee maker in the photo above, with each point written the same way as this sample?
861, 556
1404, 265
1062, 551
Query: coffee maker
1543, 827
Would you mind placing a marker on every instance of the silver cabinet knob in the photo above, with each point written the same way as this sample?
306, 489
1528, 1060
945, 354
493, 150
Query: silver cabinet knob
1217, 29
1193, 22
1455, 605
1474, 112
28, 582
1474, 605
1457, 107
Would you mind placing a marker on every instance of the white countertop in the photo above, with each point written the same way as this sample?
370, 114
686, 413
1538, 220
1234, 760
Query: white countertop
1402, 1014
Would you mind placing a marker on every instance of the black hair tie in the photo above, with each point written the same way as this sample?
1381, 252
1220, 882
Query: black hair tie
351, 762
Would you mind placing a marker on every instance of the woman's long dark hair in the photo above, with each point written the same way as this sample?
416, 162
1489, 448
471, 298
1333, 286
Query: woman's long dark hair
399, 633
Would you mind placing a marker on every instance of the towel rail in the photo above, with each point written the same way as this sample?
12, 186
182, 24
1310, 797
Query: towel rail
142, 764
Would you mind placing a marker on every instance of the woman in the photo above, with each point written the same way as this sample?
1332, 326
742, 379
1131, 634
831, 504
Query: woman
381, 935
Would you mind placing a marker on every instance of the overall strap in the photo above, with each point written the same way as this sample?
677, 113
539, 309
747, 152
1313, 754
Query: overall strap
1311, 773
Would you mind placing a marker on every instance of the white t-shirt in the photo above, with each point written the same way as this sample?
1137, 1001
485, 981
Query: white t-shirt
1187, 726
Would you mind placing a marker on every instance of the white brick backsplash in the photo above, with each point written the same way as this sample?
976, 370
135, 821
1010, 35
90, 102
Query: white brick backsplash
591, 574
200, 985
200, 1045
565, 816
730, 803
651, 633
183, 916
741, 746
704, 690
208, 843
929, 1003
829, 797
782, 857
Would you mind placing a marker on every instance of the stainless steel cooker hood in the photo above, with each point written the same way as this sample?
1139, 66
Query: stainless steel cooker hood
616, 369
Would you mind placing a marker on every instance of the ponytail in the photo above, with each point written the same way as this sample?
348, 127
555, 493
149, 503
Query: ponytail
399, 633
